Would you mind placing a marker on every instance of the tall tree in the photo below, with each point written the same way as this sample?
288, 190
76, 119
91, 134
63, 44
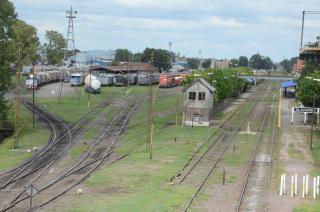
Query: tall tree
206, 63
55, 46
243, 61
256, 61
234, 63
307, 88
123, 55
161, 58
26, 42
7, 19
309, 68
193, 63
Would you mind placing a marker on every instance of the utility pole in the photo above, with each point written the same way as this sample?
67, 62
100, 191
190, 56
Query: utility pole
33, 78
177, 112
151, 106
302, 28
70, 46
16, 126
89, 89
312, 124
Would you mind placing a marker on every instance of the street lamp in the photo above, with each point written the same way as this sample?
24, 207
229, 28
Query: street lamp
33, 78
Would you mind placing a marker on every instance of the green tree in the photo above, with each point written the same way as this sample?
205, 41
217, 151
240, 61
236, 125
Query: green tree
243, 61
260, 62
26, 42
309, 68
55, 46
256, 61
193, 63
123, 55
234, 63
7, 20
161, 58
206, 63
307, 88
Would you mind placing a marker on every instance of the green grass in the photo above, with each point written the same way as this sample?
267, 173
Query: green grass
78, 150
295, 153
137, 183
92, 133
73, 107
28, 138
243, 148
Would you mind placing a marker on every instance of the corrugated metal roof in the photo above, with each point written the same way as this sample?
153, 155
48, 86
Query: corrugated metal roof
288, 84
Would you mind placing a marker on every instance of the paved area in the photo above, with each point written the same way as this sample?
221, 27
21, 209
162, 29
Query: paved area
295, 158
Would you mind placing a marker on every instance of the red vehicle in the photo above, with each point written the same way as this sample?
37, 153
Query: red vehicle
171, 80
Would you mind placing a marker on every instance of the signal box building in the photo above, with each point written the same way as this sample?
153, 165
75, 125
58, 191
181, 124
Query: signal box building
198, 103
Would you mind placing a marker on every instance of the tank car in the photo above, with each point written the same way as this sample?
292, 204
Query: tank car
92, 84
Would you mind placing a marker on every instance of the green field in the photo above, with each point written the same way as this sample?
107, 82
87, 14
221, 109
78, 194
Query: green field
28, 138
137, 183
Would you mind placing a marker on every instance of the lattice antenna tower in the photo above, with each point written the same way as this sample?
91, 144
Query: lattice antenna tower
70, 49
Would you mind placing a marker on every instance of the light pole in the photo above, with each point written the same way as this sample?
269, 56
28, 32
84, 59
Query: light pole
33, 78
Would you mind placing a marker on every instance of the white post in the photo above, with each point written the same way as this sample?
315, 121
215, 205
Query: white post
284, 183
314, 187
305, 119
292, 112
303, 185
281, 184
307, 184
295, 184
318, 183
292, 182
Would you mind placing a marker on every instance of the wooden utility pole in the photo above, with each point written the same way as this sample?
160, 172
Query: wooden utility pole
177, 117
312, 120
33, 78
151, 106
89, 89
17, 118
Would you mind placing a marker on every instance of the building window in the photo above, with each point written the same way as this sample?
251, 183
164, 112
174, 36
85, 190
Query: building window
192, 95
202, 96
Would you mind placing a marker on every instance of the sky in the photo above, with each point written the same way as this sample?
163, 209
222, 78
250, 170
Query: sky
197, 28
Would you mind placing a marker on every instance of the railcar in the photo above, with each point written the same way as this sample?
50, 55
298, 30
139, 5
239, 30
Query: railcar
92, 84
76, 79
106, 79
42, 78
145, 79
120, 80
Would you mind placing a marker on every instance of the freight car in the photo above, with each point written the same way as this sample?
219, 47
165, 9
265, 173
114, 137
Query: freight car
41, 78
76, 79
145, 79
121, 80
106, 79
92, 84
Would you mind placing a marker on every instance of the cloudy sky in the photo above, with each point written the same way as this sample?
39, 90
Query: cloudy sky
217, 28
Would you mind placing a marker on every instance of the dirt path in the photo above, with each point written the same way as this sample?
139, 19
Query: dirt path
295, 158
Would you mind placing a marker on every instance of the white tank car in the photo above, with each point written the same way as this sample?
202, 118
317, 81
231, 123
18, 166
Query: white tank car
92, 84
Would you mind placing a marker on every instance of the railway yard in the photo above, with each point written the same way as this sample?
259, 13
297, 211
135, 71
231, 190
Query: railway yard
95, 158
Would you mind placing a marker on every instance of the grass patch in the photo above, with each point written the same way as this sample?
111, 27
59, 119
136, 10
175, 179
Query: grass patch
243, 148
78, 150
137, 183
92, 133
295, 153
28, 138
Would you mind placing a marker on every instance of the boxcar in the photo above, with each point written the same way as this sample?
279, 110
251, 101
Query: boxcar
106, 79
143, 79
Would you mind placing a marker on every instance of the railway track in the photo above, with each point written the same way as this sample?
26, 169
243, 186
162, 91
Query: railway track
25, 173
208, 161
86, 165
255, 188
